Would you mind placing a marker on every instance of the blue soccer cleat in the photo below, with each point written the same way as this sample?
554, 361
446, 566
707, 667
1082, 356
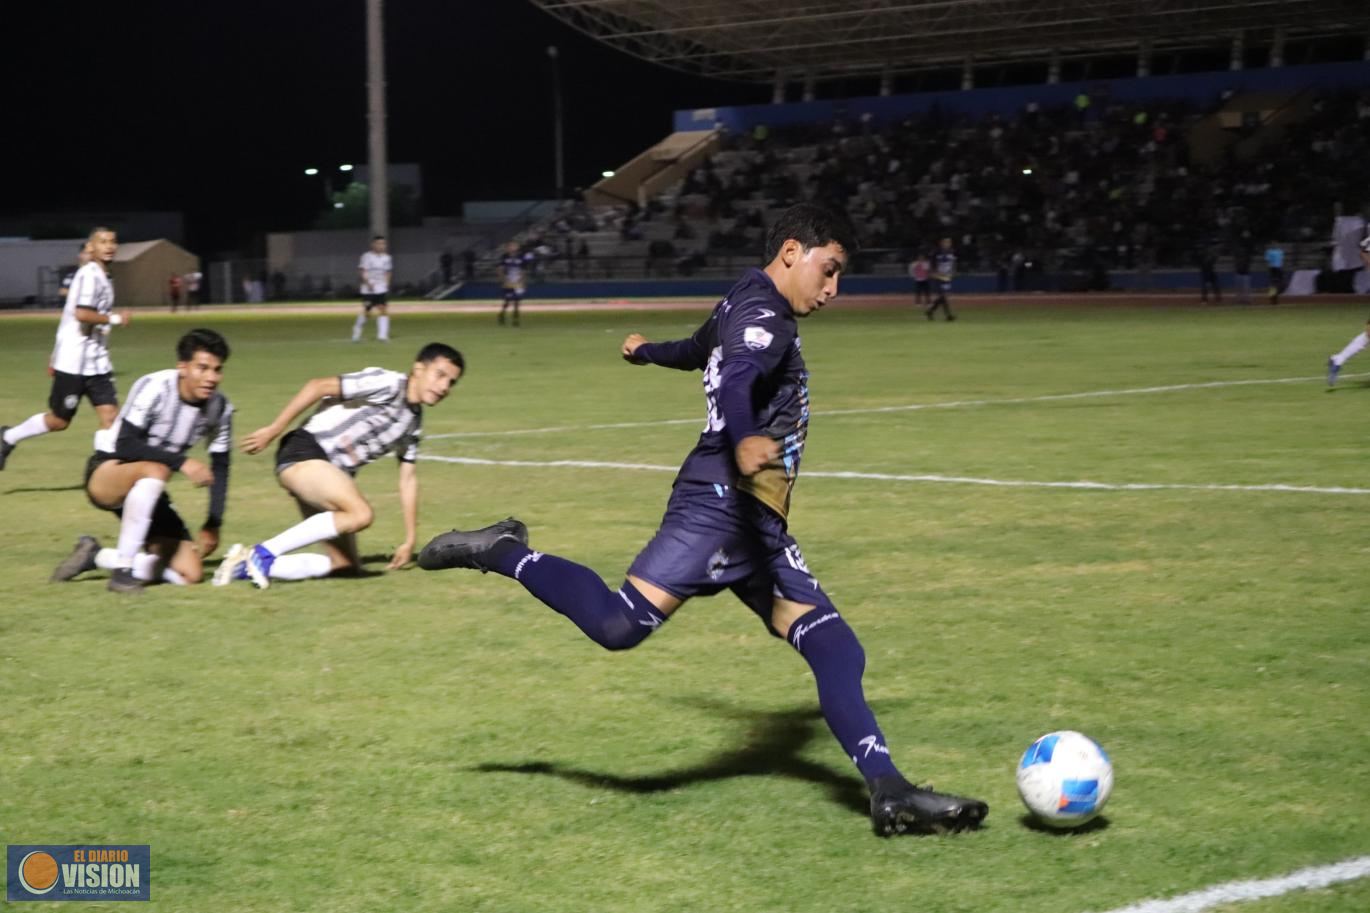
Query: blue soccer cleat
1333, 369
258, 566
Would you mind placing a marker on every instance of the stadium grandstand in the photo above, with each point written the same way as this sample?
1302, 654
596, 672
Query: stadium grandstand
1074, 140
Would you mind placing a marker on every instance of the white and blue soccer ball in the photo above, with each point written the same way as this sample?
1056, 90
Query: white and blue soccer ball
1065, 778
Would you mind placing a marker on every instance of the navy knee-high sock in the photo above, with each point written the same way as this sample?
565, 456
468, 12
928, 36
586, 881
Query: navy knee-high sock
834, 654
614, 620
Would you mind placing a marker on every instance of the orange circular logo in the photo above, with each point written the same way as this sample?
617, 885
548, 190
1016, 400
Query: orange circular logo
38, 872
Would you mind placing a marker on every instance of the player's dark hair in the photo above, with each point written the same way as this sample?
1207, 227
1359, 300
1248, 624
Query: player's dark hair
441, 350
812, 226
378, 238
201, 340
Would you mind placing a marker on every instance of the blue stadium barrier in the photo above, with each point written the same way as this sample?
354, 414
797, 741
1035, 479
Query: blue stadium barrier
1201, 88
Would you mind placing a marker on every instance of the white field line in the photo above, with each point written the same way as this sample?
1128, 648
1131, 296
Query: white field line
910, 407
931, 478
1242, 891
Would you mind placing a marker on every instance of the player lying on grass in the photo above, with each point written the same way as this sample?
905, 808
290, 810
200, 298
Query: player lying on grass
365, 415
166, 414
725, 525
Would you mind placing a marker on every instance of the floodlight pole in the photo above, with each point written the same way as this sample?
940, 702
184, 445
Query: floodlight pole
556, 119
375, 116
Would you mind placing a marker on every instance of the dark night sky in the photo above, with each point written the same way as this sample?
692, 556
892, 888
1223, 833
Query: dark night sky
215, 109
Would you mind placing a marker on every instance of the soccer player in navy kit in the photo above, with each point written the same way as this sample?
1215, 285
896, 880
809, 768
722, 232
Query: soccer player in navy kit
512, 267
725, 524
943, 270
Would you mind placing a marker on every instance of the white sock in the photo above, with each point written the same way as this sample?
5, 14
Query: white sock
144, 566
314, 529
30, 427
301, 567
1339, 359
383, 327
138, 506
358, 327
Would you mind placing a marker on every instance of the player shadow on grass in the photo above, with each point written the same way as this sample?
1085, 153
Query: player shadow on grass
1350, 385
19, 491
772, 744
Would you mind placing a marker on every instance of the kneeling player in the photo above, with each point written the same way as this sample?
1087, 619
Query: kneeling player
166, 414
369, 413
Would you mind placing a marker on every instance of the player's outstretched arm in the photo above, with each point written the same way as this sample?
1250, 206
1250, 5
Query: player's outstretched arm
409, 504
309, 394
688, 354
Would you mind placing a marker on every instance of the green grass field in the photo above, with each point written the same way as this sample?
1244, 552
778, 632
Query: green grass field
413, 741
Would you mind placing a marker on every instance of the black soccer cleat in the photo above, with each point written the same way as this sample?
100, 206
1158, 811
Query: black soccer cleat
5, 449
899, 807
121, 580
468, 549
81, 559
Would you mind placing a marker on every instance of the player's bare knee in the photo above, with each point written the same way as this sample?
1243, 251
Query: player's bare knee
56, 422
354, 517
151, 470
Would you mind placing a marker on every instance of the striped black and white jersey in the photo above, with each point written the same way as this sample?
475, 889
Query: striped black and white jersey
83, 348
172, 425
372, 418
376, 269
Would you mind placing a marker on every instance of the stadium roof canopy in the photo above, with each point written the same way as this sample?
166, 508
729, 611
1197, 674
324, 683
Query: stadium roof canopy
763, 41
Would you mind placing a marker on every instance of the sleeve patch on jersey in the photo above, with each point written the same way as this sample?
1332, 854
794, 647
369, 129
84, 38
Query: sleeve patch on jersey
756, 338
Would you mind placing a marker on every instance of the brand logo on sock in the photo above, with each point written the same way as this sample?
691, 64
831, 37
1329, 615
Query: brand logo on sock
799, 631
653, 621
872, 743
530, 557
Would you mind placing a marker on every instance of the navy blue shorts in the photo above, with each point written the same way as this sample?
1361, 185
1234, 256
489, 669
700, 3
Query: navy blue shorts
714, 538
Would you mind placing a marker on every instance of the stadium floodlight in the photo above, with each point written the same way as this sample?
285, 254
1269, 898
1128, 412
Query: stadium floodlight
344, 167
606, 174
1027, 171
311, 171
337, 205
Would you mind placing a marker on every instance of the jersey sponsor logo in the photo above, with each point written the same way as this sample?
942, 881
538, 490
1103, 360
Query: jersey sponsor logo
712, 378
757, 338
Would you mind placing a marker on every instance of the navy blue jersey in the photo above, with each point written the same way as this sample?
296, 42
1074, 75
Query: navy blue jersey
511, 268
944, 265
755, 324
